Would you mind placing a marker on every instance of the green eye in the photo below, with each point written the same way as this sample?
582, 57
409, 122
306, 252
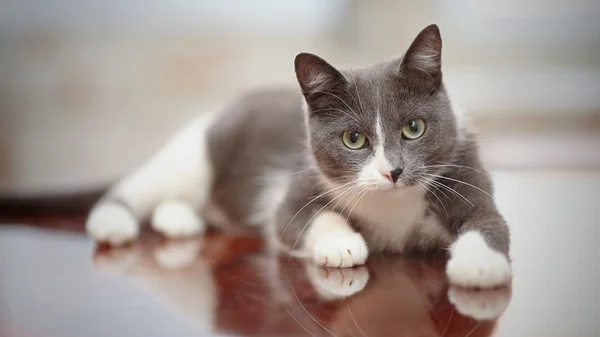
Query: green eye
354, 140
413, 129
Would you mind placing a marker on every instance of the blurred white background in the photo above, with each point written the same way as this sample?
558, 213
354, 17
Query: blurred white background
90, 89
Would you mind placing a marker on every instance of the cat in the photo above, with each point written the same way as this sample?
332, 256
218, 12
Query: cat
357, 162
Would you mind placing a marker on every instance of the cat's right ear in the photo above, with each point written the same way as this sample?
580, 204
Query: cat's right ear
423, 59
316, 77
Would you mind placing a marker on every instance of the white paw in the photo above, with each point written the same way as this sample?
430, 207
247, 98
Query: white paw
176, 219
341, 251
473, 264
480, 304
112, 223
177, 254
338, 283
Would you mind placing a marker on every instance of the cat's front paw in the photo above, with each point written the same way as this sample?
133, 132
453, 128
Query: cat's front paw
341, 251
337, 283
176, 219
474, 264
112, 223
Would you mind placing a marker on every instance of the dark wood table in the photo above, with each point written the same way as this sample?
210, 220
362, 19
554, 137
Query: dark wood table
56, 282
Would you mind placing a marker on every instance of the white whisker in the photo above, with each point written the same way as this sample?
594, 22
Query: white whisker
358, 326
308, 203
353, 80
357, 92
430, 182
458, 166
448, 323
349, 201
461, 182
297, 321
356, 203
308, 313
311, 219
441, 203
340, 199
335, 328
453, 191
474, 328
341, 100
339, 110
303, 170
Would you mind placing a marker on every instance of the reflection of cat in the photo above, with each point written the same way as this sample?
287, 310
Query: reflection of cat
172, 271
258, 295
489, 304
409, 298
379, 160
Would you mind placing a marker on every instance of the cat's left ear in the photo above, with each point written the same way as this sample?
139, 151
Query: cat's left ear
424, 56
316, 77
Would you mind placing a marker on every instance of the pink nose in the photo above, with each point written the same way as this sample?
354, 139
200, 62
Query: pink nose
387, 176
392, 176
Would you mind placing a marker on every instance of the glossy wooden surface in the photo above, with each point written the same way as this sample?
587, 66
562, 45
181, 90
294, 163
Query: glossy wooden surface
56, 282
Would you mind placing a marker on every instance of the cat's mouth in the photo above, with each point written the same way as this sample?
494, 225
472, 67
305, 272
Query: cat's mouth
387, 186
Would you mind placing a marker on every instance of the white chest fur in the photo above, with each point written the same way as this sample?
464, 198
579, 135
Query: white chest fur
387, 218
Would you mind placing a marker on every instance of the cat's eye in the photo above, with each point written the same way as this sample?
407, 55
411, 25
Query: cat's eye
354, 140
414, 129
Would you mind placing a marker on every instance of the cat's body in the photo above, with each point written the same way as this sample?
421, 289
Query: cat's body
375, 160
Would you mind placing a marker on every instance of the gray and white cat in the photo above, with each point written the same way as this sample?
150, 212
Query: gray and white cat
360, 161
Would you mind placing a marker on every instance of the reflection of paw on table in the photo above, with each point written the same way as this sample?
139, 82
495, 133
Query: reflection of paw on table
337, 283
241, 292
480, 304
178, 254
117, 260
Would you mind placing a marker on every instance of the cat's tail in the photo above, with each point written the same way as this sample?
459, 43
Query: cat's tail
75, 203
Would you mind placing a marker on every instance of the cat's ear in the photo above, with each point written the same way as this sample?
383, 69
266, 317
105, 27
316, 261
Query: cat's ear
315, 76
424, 55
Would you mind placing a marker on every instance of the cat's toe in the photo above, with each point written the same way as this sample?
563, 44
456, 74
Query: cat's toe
176, 219
341, 251
334, 283
480, 304
113, 224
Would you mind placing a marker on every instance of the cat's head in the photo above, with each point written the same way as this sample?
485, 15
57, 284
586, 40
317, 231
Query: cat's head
379, 126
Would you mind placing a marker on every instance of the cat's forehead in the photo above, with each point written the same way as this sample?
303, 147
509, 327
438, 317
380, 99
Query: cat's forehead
381, 88
381, 77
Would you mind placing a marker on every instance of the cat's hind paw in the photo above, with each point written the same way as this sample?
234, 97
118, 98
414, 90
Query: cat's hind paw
113, 224
473, 264
176, 219
341, 251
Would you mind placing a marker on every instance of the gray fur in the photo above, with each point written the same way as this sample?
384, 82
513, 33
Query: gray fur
268, 130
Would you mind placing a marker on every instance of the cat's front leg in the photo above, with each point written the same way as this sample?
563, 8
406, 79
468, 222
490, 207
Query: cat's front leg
479, 256
333, 243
